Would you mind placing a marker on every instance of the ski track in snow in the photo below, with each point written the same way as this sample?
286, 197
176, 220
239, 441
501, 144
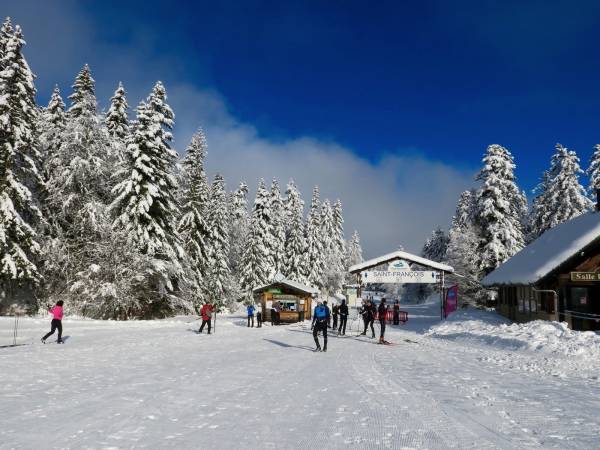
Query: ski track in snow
158, 384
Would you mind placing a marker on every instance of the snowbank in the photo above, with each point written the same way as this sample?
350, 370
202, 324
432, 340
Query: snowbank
541, 336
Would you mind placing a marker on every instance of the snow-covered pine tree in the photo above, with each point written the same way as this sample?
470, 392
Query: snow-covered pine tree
192, 226
79, 168
327, 228
240, 227
463, 222
353, 255
593, 172
276, 241
436, 246
465, 209
314, 242
145, 204
463, 240
6, 33
339, 239
294, 266
116, 120
218, 276
539, 216
333, 270
255, 264
51, 127
83, 98
19, 175
565, 196
499, 205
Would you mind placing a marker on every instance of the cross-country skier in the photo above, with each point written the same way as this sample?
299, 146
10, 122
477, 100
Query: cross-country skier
206, 312
56, 324
343, 318
396, 313
250, 310
329, 319
335, 310
259, 317
382, 311
369, 318
320, 324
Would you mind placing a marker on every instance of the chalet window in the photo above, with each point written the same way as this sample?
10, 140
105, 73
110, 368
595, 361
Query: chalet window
546, 302
532, 300
579, 300
521, 300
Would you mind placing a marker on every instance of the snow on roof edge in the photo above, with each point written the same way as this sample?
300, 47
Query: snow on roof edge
290, 283
399, 254
535, 261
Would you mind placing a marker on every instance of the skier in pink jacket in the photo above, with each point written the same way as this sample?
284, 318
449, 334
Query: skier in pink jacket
57, 314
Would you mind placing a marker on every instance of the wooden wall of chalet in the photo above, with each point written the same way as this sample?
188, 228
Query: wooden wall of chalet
522, 304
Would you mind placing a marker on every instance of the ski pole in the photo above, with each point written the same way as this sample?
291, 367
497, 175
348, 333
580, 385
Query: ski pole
15, 330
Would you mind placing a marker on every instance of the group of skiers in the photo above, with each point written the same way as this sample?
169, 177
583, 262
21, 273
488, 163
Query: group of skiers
321, 319
368, 311
250, 309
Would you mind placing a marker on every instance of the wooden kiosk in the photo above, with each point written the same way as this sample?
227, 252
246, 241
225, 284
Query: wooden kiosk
295, 299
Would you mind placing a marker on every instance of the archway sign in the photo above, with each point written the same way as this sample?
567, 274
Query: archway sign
395, 268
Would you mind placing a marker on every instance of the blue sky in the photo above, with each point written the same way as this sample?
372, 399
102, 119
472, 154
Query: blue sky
387, 87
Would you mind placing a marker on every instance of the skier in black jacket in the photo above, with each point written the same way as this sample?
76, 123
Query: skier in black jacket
343, 318
382, 312
369, 317
335, 310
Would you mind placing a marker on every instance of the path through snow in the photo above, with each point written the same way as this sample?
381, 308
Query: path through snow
157, 384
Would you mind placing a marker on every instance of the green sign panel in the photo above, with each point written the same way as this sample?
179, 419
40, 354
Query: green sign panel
274, 291
585, 276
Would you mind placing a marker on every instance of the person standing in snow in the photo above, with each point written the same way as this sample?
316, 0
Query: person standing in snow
335, 312
396, 312
206, 312
382, 312
369, 318
250, 310
320, 320
259, 316
329, 319
56, 324
343, 310
275, 313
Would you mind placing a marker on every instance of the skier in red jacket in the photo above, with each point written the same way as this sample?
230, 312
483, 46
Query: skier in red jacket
206, 312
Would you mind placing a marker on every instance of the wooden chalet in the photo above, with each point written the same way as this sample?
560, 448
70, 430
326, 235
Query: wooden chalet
556, 277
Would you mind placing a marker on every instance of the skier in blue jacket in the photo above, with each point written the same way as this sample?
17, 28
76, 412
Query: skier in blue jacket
250, 309
320, 320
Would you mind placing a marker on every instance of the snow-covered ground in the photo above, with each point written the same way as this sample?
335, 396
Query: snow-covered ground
472, 382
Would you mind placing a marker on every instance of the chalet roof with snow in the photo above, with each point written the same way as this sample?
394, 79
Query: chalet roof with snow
400, 255
279, 279
548, 253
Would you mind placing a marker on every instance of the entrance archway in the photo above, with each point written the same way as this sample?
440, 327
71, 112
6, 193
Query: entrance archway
399, 271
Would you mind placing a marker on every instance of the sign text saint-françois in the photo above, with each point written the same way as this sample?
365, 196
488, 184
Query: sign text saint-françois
399, 276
